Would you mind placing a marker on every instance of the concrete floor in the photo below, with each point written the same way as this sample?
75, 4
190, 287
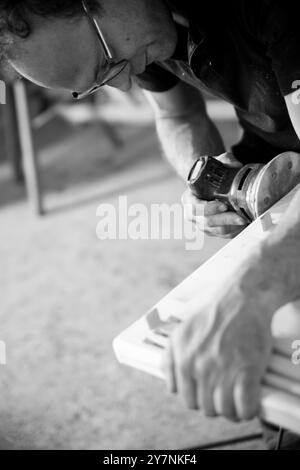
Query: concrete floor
65, 295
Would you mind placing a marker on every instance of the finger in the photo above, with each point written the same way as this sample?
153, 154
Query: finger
207, 401
224, 400
225, 232
246, 395
213, 207
206, 381
185, 382
227, 219
169, 370
187, 389
186, 385
200, 208
201, 223
231, 232
197, 207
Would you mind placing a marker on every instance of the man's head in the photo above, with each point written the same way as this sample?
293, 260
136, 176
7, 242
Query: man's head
55, 45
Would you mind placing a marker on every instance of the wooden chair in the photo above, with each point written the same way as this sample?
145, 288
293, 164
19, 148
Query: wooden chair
20, 145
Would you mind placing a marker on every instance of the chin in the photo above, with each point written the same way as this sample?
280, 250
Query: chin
157, 54
165, 47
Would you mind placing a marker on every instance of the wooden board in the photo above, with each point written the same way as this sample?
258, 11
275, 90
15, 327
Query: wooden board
142, 344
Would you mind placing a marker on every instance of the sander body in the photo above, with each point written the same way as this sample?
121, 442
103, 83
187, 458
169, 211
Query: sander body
249, 190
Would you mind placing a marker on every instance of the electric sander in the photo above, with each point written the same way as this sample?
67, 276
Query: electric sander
249, 190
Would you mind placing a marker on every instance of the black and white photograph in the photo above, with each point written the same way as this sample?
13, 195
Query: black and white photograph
149, 228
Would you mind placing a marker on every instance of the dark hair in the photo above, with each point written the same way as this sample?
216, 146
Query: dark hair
14, 14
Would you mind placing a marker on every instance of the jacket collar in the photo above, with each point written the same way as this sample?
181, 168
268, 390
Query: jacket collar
190, 38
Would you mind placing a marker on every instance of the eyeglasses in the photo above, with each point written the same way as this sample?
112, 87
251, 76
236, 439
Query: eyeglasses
112, 69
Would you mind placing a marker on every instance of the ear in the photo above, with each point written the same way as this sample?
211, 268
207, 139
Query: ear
17, 22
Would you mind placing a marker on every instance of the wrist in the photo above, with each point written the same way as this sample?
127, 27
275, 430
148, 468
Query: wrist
260, 281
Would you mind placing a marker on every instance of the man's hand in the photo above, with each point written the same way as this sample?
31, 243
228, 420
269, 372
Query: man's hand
218, 356
213, 217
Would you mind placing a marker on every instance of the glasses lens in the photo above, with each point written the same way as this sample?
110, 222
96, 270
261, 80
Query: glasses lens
113, 71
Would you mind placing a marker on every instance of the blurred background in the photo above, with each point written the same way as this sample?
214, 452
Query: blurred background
65, 294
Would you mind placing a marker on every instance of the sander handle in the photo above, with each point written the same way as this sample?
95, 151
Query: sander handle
210, 179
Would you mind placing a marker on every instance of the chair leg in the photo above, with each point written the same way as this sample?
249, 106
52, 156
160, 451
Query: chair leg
29, 157
11, 140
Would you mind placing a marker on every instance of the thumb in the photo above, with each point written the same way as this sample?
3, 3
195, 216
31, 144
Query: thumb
229, 159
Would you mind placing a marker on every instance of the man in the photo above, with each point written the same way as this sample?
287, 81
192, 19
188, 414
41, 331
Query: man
243, 52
